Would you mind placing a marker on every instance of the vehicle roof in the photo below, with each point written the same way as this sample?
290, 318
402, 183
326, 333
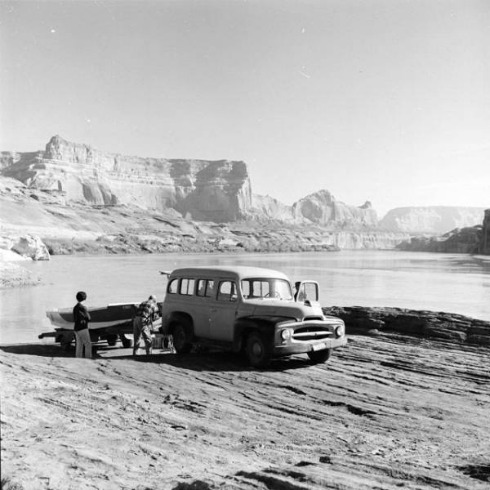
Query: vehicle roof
227, 271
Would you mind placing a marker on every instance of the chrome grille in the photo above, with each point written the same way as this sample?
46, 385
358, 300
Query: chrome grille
311, 333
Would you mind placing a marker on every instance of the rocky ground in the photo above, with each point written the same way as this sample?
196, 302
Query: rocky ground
386, 412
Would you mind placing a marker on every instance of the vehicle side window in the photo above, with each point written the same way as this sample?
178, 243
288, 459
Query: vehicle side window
173, 286
227, 291
187, 286
205, 288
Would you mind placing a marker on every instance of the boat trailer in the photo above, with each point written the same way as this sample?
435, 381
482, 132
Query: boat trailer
110, 335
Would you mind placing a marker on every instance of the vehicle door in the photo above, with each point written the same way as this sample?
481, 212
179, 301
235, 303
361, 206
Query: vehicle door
307, 291
203, 302
224, 311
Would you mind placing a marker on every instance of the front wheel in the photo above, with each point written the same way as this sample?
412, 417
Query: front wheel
319, 356
257, 351
180, 340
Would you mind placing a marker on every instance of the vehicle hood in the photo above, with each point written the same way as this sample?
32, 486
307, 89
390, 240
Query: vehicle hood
289, 309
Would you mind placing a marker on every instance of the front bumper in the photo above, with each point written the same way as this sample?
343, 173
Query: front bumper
305, 347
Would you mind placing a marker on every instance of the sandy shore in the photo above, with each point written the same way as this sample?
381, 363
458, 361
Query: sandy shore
385, 412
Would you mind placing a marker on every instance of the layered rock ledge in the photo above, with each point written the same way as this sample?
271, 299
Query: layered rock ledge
418, 323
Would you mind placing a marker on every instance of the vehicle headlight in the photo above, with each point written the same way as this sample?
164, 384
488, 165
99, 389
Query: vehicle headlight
286, 334
340, 330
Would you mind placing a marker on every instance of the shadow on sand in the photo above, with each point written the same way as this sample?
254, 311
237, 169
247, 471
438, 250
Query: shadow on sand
210, 360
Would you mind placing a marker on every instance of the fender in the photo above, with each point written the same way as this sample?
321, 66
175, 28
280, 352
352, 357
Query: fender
263, 324
184, 318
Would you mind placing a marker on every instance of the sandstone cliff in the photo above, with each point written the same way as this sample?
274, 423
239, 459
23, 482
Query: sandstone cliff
465, 240
322, 208
270, 208
472, 240
485, 235
214, 190
68, 181
431, 219
218, 191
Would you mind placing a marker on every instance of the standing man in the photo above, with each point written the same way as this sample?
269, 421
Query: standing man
82, 336
146, 313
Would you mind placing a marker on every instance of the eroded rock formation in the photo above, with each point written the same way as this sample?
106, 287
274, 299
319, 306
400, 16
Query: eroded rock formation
24, 247
218, 191
485, 234
30, 246
322, 208
206, 190
470, 240
431, 219
466, 240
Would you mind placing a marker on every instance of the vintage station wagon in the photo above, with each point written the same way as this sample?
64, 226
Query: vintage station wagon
248, 309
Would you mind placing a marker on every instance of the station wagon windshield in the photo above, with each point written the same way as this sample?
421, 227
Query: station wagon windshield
266, 288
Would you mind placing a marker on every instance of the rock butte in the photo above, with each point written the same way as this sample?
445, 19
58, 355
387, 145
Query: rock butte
71, 190
202, 189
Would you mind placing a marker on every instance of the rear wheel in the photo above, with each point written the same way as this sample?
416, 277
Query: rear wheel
257, 351
319, 356
182, 344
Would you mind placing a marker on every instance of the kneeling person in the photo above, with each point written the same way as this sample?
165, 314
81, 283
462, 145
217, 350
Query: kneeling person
146, 313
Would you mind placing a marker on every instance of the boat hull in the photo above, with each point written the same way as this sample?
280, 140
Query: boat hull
102, 317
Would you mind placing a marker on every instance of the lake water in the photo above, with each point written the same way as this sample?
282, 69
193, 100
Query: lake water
441, 282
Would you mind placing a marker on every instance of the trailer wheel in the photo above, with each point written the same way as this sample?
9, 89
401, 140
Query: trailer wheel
65, 340
111, 340
65, 345
126, 342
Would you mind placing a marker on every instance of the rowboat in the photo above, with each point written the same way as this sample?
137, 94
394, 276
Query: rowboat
111, 315
109, 323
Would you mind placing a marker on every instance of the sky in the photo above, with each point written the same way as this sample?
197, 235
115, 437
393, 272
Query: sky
379, 100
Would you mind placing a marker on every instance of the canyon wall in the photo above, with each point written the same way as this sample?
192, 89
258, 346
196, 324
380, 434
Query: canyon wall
431, 219
198, 189
73, 174
485, 234
470, 240
323, 209
201, 189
